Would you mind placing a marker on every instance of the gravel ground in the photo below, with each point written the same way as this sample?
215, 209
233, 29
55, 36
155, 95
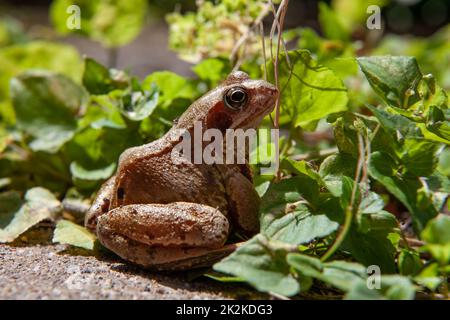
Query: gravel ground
34, 268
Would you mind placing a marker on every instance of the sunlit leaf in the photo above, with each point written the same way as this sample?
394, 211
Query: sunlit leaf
309, 91
394, 78
17, 215
285, 218
46, 106
112, 23
67, 232
262, 263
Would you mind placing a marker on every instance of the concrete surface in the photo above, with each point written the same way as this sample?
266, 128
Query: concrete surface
34, 268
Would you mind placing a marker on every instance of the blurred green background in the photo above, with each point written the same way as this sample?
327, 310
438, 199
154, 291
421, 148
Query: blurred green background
22, 20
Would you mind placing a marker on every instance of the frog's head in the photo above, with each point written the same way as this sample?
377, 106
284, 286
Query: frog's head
238, 102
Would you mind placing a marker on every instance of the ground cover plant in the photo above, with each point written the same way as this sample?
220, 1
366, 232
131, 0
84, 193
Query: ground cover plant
363, 178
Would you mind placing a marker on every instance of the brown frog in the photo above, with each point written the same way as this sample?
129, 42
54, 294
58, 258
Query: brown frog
166, 215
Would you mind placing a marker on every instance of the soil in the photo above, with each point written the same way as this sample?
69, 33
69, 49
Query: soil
34, 268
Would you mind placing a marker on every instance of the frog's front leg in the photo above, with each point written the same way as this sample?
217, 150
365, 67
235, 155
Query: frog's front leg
165, 236
243, 201
101, 204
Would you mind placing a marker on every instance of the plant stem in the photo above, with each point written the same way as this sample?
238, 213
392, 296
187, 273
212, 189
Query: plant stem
340, 238
351, 209
279, 20
319, 154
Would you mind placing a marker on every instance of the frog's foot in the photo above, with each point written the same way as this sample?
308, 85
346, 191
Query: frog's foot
178, 235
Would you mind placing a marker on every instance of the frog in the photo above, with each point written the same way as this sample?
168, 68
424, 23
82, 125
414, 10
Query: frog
170, 215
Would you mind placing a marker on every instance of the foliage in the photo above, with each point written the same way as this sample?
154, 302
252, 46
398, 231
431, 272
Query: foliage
212, 30
73, 234
338, 208
17, 215
112, 23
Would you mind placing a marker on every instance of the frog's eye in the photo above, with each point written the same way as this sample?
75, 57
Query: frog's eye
235, 98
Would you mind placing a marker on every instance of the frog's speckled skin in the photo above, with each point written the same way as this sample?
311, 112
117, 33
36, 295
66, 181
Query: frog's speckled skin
164, 215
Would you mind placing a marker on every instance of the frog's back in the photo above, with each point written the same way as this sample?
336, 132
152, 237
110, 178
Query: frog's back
148, 174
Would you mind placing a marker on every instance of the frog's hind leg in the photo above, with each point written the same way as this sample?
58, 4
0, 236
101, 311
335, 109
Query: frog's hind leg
178, 235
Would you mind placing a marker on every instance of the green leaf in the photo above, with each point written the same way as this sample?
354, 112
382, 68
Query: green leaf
396, 287
419, 157
80, 172
343, 274
221, 278
330, 24
36, 54
67, 232
300, 226
337, 55
285, 218
353, 14
17, 215
306, 265
96, 150
406, 189
409, 262
112, 23
102, 112
437, 237
444, 162
137, 105
371, 202
345, 136
393, 122
310, 91
392, 287
98, 79
4, 137
11, 31
368, 239
262, 263
213, 70
441, 129
171, 86
429, 276
372, 248
437, 230
376, 221
340, 274
360, 291
46, 105
351, 278
334, 168
393, 78
301, 167
46, 55
348, 185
